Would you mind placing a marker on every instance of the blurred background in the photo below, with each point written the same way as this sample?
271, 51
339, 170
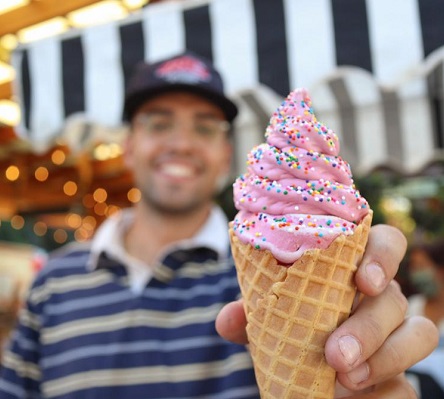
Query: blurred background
374, 70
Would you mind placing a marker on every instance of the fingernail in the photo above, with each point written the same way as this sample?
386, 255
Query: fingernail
359, 374
376, 274
350, 349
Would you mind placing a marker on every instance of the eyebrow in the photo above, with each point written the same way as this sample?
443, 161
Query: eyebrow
207, 115
157, 111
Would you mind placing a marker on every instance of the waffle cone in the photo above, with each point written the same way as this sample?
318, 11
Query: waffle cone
291, 311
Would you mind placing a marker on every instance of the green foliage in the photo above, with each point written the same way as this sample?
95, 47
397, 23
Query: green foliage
372, 188
429, 213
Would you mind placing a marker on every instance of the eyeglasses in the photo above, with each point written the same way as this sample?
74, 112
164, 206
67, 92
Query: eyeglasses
163, 125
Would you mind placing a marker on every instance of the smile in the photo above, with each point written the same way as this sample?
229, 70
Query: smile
177, 170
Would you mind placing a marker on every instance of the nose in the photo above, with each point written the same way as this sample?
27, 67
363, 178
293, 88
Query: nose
182, 138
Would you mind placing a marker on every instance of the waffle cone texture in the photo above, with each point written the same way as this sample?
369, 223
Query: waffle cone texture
292, 310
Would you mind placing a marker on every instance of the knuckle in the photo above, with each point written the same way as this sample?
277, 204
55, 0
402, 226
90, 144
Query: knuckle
397, 357
427, 331
393, 233
398, 298
431, 331
374, 332
390, 246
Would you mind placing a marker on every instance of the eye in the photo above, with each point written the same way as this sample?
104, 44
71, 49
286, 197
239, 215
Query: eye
210, 128
206, 129
159, 125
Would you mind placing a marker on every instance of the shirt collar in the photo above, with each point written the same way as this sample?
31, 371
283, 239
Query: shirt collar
109, 236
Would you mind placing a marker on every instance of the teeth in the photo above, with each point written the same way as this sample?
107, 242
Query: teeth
177, 170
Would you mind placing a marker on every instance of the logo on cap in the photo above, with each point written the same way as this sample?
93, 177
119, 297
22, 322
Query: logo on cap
185, 69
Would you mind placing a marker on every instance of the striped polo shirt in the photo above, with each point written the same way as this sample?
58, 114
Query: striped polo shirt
97, 325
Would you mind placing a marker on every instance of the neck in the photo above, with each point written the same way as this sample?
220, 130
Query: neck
153, 231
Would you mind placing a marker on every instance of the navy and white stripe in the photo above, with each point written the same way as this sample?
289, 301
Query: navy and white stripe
84, 333
282, 45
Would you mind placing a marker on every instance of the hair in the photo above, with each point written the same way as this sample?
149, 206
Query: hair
435, 251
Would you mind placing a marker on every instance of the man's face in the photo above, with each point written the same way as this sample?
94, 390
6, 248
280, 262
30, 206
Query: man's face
178, 151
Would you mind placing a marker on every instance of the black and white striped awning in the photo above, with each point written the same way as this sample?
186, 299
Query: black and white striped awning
374, 69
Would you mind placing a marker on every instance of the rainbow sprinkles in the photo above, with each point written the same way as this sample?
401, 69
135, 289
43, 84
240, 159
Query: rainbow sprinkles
297, 192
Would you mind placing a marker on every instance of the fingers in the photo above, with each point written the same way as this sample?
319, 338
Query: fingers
385, 249
395, 388
377, 342
365, 331
231, 323
411, 342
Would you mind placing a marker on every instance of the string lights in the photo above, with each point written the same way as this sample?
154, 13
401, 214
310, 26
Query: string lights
85, 206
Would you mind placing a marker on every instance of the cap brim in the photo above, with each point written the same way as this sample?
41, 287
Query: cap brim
135, 100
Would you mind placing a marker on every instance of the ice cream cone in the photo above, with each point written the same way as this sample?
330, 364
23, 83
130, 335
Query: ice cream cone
291, 311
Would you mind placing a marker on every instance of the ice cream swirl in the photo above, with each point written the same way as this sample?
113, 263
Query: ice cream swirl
297, 193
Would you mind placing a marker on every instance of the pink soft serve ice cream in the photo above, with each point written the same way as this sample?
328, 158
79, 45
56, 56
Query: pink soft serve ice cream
297, 193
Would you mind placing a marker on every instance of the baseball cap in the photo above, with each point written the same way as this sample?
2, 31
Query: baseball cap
184, 72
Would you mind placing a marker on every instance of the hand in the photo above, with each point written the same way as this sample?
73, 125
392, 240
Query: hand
371, 349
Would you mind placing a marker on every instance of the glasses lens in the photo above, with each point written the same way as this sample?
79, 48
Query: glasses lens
159, 125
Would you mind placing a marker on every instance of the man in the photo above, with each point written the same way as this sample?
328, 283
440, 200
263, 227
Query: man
133, 315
